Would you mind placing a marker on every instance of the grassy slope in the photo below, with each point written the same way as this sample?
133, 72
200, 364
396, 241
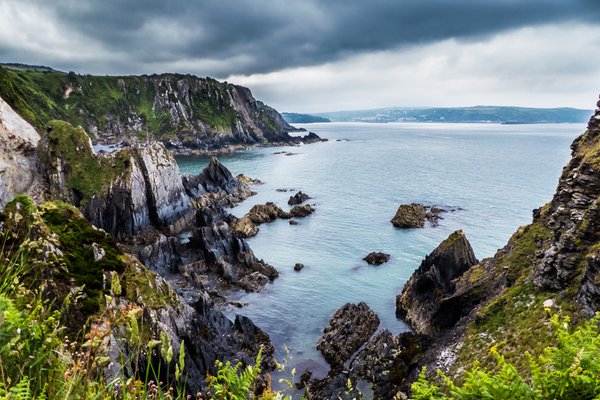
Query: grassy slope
85, 100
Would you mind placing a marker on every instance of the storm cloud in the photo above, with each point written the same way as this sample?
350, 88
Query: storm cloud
224, 37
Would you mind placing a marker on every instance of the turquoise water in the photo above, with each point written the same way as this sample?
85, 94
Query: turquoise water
496, 173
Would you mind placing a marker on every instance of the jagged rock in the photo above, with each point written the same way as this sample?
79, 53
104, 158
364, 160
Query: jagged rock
423, 295
298, 267
414, 215
377, 258
268, 212
18, 161
349, 327
243, 227
301, 211
298, 198
387, 361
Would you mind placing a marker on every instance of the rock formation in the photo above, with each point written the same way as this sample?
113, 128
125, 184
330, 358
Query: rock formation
350, 327
414, 215
425, 296
184, 112
18, 165
298, 198
552, 262
262, 213
377, 258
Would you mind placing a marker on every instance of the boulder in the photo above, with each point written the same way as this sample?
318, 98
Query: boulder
301, 211
298, 267
424, 293
377, 258
349, 328
298, 198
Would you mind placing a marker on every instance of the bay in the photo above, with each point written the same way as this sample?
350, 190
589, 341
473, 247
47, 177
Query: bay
495, 173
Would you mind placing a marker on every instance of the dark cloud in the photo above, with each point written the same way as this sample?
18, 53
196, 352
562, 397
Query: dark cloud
246, 36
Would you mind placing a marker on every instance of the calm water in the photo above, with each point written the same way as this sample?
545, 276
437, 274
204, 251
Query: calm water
496, 173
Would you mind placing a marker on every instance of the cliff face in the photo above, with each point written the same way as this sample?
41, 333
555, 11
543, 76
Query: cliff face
551, 264
18, 166
183, 111
138, 196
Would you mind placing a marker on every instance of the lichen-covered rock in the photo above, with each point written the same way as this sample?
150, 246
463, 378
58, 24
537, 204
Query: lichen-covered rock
424, 294
301, 211
349, 327
377, 258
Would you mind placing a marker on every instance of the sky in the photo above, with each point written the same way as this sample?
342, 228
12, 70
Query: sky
328, 55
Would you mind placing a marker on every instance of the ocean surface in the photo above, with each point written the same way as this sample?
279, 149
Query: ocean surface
496, 174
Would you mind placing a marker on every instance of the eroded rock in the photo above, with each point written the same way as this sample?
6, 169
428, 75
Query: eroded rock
298, 198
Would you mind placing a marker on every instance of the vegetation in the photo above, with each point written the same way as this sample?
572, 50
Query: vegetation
569, 370
164, 107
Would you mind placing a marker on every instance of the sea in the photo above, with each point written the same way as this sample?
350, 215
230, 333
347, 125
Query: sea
492, 175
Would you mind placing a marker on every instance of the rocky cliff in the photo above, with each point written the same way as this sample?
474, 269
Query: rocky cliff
549, 266
18, 163
66, 255
183, 111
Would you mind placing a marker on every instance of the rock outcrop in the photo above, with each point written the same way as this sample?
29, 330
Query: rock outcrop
414, 216
357, 352
185, 112
377, 258
424, 299
298, 198
349, 328
246, 226
19, 172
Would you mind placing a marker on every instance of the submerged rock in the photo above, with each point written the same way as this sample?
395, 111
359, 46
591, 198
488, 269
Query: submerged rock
377, 258
422, 296
298, 198
349, 327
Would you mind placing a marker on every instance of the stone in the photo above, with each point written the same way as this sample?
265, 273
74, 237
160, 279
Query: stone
268, 212
243, 227
298, 267
301, 211
349, 328
377, 258
293, 222
298, 198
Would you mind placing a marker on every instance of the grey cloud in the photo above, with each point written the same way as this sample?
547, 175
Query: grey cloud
268, 35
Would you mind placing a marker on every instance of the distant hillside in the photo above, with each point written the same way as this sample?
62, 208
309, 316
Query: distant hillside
183, 111
294, 118
503, 115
